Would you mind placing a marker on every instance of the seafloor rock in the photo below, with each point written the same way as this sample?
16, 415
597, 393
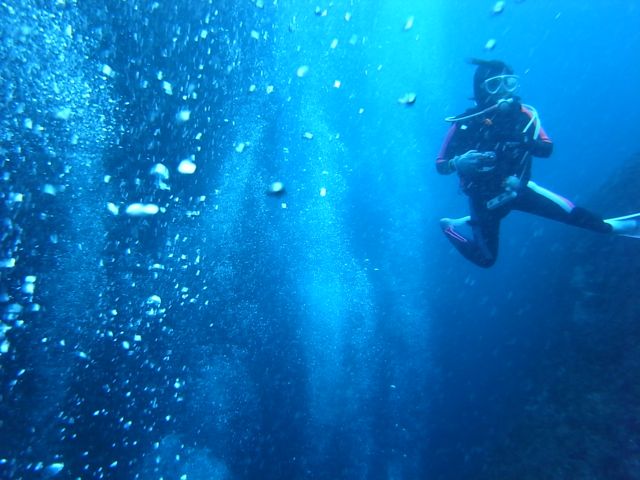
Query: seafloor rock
581, 420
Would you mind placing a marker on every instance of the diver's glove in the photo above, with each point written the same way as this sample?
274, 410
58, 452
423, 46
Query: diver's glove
473, 162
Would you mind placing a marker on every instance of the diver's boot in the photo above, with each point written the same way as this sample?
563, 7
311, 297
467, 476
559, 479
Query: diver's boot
446, 223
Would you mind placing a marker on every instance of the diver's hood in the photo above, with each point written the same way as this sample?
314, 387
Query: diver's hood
486, 69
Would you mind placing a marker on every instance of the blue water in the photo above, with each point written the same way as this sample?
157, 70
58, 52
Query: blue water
329, 332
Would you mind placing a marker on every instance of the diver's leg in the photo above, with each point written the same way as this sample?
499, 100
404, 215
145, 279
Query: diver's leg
482, 248
540, 201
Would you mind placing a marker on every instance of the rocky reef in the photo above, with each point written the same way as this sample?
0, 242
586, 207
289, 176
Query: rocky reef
582, 419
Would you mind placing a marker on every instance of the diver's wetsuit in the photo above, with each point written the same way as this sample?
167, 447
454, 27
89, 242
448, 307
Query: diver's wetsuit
503, 131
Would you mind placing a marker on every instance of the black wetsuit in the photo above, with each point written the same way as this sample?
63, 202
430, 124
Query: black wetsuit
510, 132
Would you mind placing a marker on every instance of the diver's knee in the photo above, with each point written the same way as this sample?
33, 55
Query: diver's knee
486, 262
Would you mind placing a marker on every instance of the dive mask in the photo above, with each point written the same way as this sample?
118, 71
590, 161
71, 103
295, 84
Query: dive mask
501, 84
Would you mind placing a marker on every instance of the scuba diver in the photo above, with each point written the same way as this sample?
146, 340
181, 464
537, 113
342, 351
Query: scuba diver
490, 147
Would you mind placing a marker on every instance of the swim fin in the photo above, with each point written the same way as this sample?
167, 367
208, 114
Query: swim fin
629, 225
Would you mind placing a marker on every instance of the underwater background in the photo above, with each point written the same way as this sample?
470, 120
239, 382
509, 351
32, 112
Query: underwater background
170, 311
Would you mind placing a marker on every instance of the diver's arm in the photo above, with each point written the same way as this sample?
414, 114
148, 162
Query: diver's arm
444, 166
443, 160
541, 146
